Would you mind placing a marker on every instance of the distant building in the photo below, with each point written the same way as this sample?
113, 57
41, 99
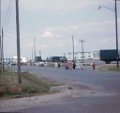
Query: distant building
57, 59
87, 55
38, 59
23, 59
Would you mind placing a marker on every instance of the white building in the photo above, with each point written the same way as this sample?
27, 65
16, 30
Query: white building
85, 55
23, 59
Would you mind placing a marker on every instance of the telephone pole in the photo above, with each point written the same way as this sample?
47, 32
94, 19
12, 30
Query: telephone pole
82, 49
34, 41
2, 50
18, 42
73, 48
0, 39
116, 31
116, 26
40, 53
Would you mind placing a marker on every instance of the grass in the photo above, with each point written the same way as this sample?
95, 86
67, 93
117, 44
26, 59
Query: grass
31, 85
109, 67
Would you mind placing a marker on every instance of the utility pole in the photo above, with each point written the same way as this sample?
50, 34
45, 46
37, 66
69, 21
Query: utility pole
34, 48
18, 42
32, 54
40, 53
82, 49
73, 48
0, 40
2, 50
116, 26
116, 31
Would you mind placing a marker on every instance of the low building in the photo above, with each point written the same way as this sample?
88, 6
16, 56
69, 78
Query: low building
85, 55
57, 59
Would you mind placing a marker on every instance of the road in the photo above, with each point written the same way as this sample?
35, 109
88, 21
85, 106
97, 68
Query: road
106, 83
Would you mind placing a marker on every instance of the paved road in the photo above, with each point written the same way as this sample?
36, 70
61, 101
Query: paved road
106, 82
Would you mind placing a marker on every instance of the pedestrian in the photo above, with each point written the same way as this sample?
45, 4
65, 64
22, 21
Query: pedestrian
74, 65
66, 65
93, 65
81, 66
58, 65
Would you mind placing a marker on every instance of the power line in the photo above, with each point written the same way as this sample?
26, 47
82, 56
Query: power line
25, 35
31, 36
8, 14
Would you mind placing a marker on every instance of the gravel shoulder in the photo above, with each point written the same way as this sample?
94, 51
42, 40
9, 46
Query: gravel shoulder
66, 92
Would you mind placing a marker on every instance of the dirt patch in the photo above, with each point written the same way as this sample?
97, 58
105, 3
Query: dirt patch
66, 91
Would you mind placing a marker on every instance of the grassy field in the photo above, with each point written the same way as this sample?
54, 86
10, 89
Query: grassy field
31, 85
109, 67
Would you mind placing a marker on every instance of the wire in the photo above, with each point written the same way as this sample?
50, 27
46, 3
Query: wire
32, 36
8, 14
25, 35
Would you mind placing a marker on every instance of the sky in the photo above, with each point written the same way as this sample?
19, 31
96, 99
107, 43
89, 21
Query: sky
50, 25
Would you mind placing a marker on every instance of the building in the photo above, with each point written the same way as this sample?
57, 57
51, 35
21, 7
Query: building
57, 59
38, 59
23, 59
85, 55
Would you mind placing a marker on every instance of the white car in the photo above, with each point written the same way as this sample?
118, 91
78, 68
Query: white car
40, 63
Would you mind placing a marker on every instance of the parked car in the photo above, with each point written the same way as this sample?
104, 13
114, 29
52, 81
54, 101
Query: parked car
42, 63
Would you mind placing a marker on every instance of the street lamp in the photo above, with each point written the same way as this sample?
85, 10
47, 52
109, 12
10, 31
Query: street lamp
116, 30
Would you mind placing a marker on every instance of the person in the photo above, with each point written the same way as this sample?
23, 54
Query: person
58, 65
93, 65
81, 66
74, 65
66, 65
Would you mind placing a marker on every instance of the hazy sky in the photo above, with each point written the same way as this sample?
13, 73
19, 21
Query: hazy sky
53, 22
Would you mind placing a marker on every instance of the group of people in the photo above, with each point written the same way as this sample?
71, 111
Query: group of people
67, 66
93, 66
